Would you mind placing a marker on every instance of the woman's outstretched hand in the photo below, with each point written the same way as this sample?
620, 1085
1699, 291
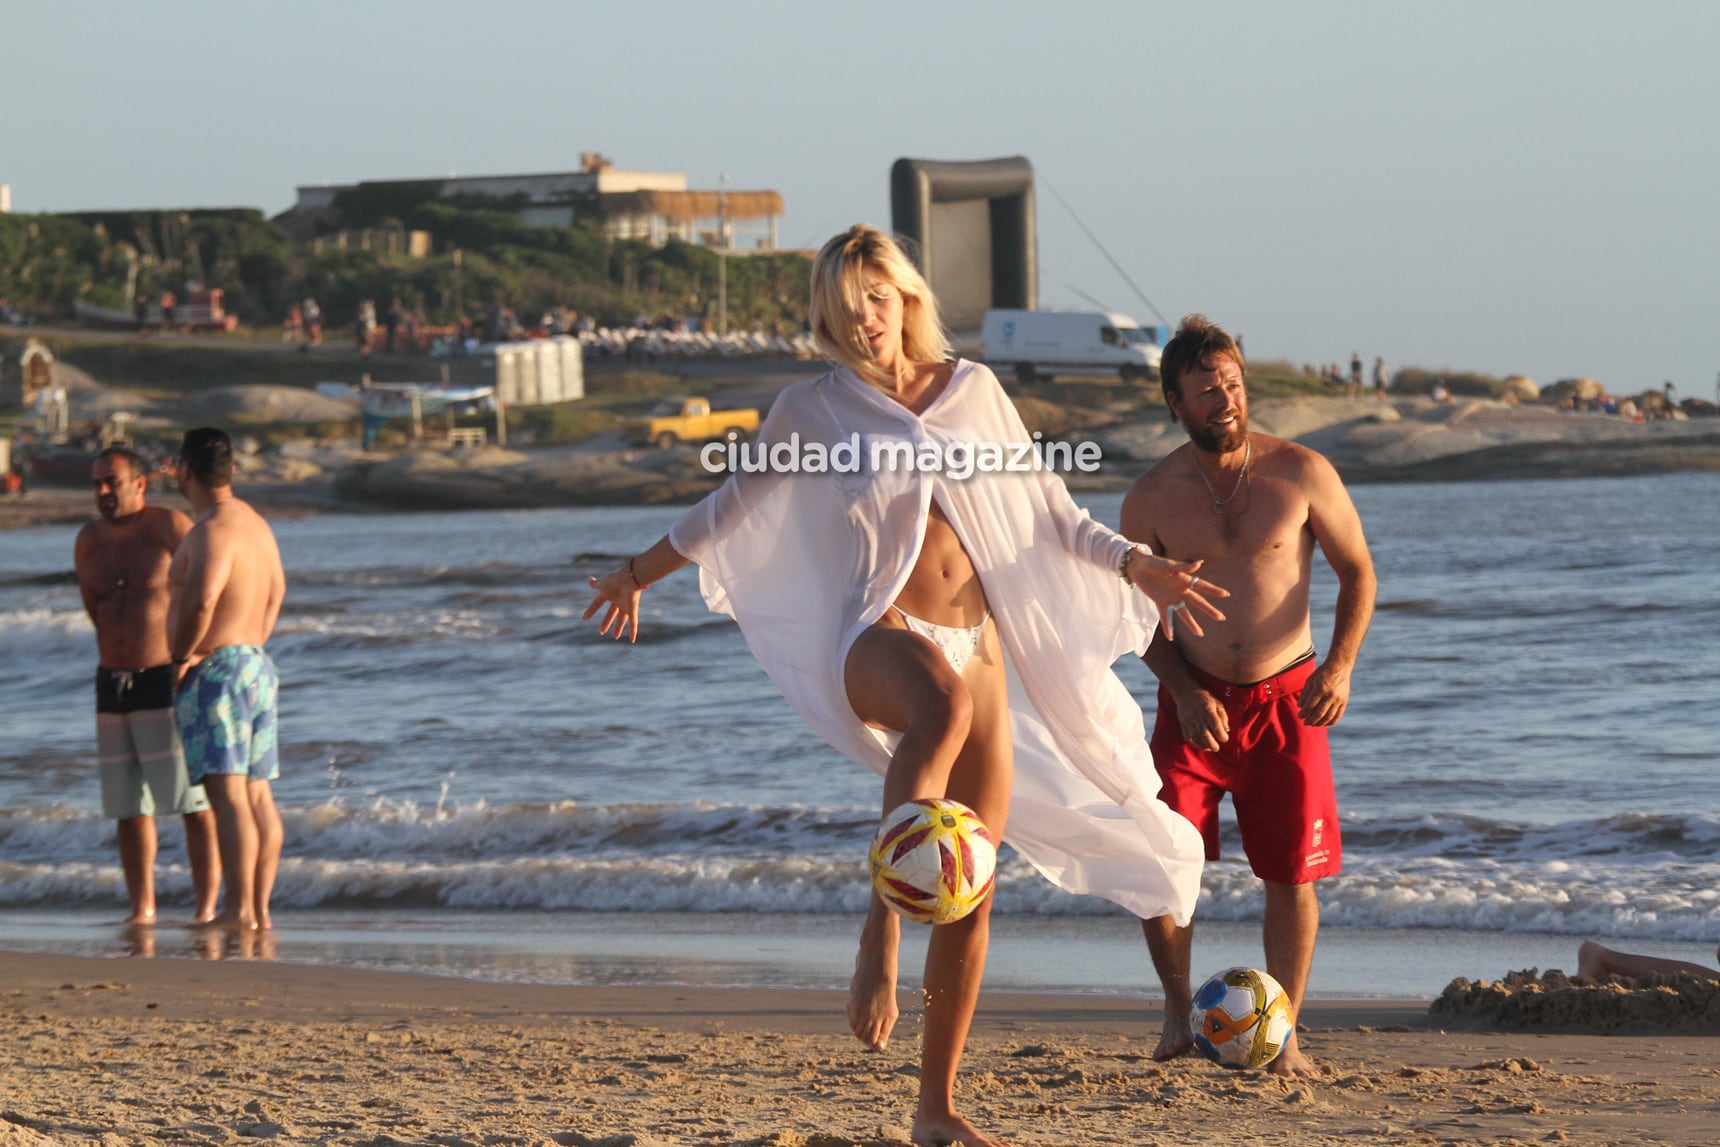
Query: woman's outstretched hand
621, 596
1176, 588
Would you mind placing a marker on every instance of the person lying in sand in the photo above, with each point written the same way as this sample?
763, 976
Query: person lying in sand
1596, 963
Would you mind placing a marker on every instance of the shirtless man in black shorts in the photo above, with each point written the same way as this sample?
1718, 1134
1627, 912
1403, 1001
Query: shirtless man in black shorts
1244, 707
122, 560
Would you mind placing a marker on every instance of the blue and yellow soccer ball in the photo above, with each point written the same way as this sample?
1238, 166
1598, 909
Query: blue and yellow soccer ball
933, 861
1241, 1018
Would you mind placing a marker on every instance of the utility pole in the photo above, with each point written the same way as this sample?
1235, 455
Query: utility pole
722, 254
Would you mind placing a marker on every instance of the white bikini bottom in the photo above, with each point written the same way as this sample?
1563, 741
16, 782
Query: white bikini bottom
957, 643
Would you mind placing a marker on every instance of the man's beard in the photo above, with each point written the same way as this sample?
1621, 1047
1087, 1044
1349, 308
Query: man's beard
1216, 441
108, 508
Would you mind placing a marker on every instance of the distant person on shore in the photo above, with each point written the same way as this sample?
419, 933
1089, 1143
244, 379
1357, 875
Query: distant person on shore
293, 326
1244, 708
886, 605
227, 589
1440, 392
313, 323
1596, 963
1355, 374
168, 302
364, 327
122, 561
1380, 379
410, 323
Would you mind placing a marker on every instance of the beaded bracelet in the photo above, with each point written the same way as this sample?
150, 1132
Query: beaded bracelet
641, 586
1123, 566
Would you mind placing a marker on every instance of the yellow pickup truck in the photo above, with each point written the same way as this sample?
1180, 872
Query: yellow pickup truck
690, 419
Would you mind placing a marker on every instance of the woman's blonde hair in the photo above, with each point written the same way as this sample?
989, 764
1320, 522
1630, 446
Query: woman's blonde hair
839, 286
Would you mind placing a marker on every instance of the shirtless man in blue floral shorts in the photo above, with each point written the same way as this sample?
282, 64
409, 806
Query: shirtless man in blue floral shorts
227, 586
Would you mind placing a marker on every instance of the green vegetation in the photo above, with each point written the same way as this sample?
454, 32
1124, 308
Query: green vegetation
46, 261
553, 425
1266, 379
1276, 378
161, 369
482, 255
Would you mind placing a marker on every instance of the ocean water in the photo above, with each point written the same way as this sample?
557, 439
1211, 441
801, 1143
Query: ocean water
475, 782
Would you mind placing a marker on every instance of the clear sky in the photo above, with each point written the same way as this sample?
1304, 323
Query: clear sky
1499, 186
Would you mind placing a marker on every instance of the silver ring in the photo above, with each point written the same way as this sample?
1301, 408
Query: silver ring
1191, 585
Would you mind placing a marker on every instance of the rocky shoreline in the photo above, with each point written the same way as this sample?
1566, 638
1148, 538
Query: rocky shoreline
1407, 440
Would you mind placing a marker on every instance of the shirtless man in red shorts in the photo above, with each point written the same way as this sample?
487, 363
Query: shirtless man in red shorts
1244, 708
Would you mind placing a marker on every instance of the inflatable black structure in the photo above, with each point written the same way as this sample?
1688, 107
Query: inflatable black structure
973, 224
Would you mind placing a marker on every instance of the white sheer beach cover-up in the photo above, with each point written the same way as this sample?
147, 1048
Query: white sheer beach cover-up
805, 562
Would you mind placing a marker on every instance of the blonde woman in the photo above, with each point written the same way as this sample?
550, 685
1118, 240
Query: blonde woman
951, 629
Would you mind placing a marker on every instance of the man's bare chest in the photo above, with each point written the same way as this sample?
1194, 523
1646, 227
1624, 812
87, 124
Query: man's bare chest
1260, 528
127, 572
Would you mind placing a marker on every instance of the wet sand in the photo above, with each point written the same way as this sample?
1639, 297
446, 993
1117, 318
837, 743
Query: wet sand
196, 1051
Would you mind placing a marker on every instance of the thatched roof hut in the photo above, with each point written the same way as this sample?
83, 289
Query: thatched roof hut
691, 206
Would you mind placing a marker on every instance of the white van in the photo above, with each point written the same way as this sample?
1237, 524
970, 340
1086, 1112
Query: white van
1039, 344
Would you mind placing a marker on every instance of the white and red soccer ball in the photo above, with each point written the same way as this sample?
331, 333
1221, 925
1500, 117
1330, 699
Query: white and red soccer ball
933, 861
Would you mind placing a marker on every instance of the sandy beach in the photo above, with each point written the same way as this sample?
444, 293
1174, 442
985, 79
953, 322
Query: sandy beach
205, 1050
190, 1051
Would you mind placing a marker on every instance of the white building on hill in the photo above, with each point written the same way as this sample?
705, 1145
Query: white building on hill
650, 205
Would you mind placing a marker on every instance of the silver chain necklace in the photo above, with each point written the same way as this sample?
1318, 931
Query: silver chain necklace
1241, 475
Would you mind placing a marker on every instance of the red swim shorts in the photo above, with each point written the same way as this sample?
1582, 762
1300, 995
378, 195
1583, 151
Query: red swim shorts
1277, 771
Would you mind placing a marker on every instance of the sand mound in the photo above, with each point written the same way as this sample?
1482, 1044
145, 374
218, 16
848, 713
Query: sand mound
267, 404
1527, 1001
88, 400
75, 379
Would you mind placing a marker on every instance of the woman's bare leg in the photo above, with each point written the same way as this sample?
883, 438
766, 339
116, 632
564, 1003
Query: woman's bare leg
956, 743
872, 1007
955, 958
898, 680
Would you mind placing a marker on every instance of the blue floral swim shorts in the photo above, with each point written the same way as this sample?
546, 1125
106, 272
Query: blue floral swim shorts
225, 711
